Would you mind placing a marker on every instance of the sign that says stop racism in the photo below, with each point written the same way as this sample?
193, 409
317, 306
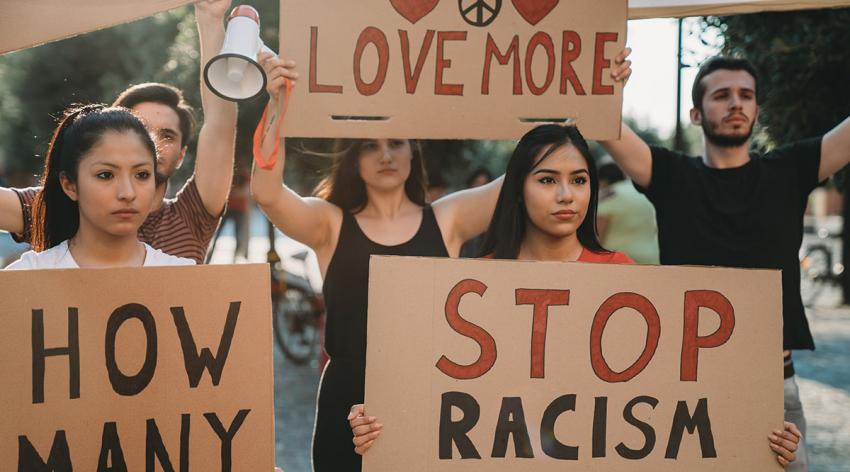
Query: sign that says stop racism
475, 69
507, 365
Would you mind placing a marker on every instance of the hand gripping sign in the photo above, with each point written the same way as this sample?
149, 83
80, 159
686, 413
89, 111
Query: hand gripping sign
506, 365
136, 369
479, 69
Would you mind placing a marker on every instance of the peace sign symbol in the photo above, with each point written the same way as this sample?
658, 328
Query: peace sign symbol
479, 12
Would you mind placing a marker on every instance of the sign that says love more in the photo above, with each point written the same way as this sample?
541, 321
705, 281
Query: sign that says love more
507, 365
452, 69
164, 368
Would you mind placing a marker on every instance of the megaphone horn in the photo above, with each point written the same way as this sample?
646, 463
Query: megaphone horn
234, 73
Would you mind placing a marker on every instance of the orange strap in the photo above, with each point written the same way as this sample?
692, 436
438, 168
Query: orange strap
263, 162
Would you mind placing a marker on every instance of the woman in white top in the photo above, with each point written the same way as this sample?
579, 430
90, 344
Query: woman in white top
97, 189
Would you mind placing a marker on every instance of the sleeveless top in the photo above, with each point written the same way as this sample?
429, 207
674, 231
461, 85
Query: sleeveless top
346, 286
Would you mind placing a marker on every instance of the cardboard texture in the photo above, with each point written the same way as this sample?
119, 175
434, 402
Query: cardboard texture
26, 23
641, 9
141, 390
426, 69
531, 358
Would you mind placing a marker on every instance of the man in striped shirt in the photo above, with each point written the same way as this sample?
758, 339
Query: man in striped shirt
184, 225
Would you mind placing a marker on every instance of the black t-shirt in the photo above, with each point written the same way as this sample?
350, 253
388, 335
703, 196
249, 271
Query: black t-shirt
749, 216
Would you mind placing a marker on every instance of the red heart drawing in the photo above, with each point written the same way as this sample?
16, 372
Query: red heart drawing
414, 10
534, 10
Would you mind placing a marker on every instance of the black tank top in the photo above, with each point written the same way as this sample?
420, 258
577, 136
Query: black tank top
346, 286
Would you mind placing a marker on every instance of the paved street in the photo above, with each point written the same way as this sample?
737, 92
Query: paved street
825, 389
295, 406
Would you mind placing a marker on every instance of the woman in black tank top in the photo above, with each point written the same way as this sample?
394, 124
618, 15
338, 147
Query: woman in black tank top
373, 203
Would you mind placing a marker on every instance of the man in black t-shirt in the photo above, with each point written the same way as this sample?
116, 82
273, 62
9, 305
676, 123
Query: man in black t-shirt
734, 208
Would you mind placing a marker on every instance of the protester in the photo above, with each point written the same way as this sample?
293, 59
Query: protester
373, 203
547, 207
625, 220
183, 225
546, 212
97, 188
732, 207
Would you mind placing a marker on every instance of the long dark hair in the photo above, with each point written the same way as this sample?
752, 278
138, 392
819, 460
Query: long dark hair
56, 217
344, 187
508, 226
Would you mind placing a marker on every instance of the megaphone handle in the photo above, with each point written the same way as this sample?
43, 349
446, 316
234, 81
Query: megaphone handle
263, 162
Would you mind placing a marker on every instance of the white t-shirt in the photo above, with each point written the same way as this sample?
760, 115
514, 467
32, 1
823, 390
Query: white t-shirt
59, 257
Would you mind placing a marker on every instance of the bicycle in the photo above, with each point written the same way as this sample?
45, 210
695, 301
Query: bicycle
818, 270
298, 311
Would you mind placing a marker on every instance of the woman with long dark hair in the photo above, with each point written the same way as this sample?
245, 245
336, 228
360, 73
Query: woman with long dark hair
547, 207
546, 211
97, 189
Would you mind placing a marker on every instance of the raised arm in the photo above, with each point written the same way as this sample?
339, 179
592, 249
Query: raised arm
835, 150
630, 151
217, 140
11, 213
308, 220
466, 214
632, 154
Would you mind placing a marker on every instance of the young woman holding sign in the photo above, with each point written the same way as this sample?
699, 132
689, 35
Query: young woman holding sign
546, 211
98, 188
373, 203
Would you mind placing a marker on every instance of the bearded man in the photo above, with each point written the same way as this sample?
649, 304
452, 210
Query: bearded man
732, 207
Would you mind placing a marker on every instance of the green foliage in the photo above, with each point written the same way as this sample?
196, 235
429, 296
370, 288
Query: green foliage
40, 82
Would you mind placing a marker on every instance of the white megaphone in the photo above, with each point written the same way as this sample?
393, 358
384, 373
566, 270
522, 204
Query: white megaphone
235, 74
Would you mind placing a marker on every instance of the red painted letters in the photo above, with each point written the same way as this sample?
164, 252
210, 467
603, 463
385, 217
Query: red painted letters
491, 51
441, 88
542, 300
315, 86
653, 332
600, 63
411, 79
371, 35
691, 340
476, 333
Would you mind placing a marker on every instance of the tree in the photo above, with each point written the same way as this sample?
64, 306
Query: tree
40, 82
803, 65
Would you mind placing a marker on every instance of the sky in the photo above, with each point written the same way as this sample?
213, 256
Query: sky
650, 95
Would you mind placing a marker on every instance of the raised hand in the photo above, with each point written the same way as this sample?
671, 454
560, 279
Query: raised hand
622, 66
277, 71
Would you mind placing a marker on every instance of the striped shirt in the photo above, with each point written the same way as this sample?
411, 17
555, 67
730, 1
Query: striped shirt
181, 227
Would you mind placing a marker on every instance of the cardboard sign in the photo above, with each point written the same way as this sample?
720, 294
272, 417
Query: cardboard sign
477, 69
137, 369
506, 365
26, 23
640, 9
